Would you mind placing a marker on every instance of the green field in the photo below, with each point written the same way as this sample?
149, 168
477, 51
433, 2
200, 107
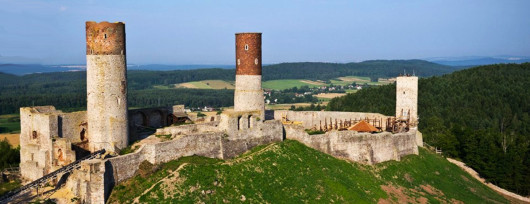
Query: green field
286, 84
207, 84
10, 123
290, 172
280, 84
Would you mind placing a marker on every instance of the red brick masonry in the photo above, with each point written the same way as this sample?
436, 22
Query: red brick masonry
105, 38
246, 59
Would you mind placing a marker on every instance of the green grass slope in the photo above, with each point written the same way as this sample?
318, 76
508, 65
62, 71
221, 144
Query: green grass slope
290, 172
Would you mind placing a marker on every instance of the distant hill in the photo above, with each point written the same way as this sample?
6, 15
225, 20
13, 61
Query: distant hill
373, 69
289, 172
22, 69
68, 89
162, 67
312, 70
480, 115
475, 61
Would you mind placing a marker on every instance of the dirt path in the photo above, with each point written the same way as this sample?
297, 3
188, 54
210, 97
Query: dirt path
312, 82
169, 178
514, 198
251, 155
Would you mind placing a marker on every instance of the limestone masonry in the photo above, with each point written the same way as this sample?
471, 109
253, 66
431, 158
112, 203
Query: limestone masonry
106, 86
51, 139
407, 98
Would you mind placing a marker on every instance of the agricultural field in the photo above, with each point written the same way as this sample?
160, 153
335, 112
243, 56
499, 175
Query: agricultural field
10, 123
329, 95
207, 84
279, 84
289, 83
12, 139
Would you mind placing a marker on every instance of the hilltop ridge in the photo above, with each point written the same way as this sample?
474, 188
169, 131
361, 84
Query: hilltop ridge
288, 171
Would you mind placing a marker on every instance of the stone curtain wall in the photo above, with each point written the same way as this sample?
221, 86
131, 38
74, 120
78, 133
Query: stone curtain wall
72, 126
210, 144
359, 147
311, 119
188, 129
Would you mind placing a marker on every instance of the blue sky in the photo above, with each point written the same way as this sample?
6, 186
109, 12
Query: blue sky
202, 32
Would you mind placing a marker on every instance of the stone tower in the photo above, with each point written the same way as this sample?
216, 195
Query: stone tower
407, 98
106, 86
248, 94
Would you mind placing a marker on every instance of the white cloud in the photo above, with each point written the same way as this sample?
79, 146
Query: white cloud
63, 8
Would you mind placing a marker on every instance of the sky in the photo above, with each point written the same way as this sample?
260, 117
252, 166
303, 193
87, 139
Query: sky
202, 32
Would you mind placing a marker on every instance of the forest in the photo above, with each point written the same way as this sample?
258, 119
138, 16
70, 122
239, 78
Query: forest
67, 90
479, 115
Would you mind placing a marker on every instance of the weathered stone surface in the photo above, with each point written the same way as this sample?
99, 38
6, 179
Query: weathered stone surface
248, 94
359, 147
38, 125
73, 126
189, 129
88, 182
107, 102
407, 98
105, 38
313, 119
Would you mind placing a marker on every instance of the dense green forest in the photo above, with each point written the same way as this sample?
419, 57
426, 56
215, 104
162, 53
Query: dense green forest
67, 90
480, 115
9, 156
373, 69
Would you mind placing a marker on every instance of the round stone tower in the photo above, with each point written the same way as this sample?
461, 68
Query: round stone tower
248, 94
106, 86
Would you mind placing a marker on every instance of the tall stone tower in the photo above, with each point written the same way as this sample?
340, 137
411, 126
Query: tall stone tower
248, 95
106, 86
407, 98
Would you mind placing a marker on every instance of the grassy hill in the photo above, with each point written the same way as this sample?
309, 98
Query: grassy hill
289, 172
480, 115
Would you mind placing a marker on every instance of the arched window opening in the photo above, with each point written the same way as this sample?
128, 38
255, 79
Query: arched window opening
82, 134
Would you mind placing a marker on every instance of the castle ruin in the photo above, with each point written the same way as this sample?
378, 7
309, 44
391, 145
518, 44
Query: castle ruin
52, 140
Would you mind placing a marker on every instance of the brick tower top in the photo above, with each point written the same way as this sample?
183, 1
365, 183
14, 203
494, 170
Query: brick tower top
105, 38
248, 53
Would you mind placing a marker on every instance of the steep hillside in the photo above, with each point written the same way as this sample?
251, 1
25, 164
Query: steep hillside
481, 115
289, 172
